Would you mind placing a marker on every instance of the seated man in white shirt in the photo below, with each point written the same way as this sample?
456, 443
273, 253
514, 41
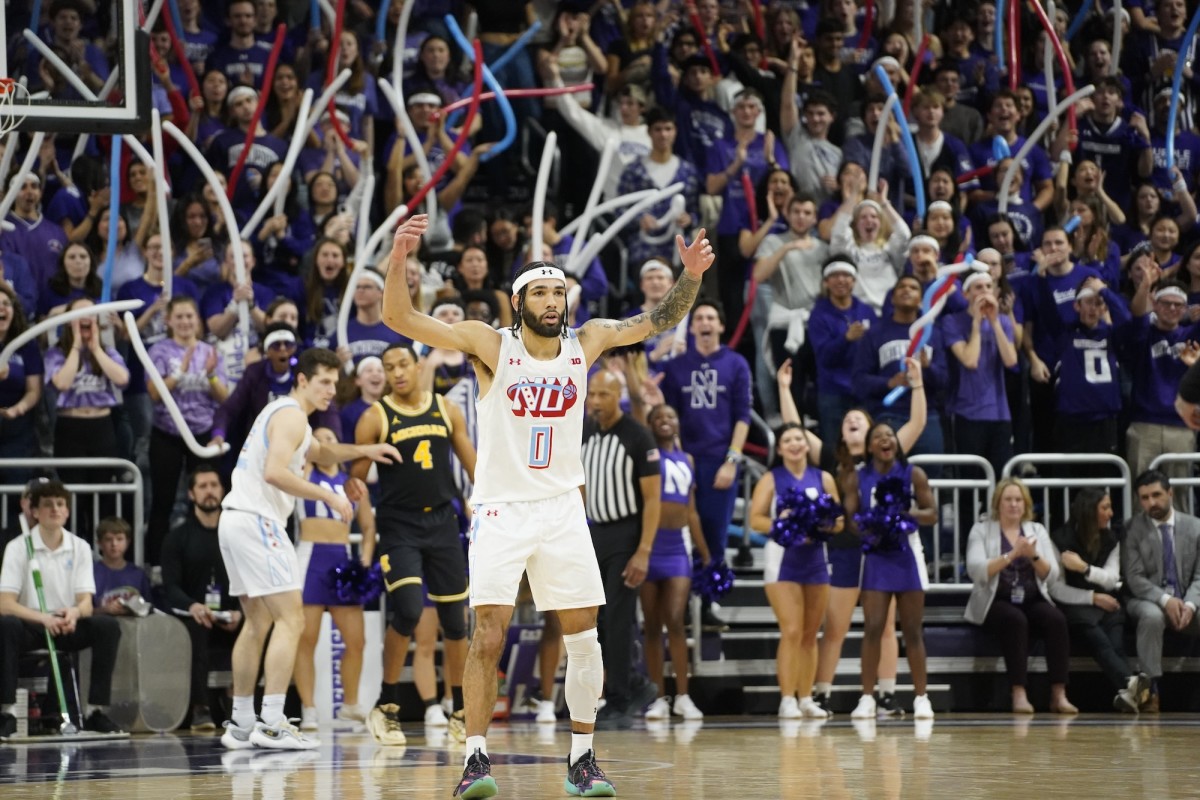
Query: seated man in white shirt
65, 561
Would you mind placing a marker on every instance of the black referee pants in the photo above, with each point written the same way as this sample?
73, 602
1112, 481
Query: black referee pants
615, 544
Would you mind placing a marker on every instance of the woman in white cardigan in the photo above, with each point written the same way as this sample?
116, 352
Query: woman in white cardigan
1089, 575
1011, 561
875, 236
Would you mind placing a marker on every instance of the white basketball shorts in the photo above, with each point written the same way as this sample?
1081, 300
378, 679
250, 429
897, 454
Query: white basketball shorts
258, 554
549, 539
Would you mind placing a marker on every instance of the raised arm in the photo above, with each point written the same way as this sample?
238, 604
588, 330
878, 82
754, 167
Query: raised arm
473, 338
599, 335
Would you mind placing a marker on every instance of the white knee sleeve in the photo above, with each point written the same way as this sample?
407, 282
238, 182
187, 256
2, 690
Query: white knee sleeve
585, 675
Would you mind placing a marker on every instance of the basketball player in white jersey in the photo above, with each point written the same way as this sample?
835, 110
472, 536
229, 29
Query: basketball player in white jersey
527, 506
260, 559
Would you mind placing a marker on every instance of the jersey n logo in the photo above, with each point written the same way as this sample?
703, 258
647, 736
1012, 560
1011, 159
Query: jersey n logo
543, 397
704, 388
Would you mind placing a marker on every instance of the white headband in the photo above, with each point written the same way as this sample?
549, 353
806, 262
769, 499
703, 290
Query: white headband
886, 61
366, 362
973, 277
926, 240
1084, 294
1171, 291
532, 275
939, 205
655, 264
989, 251
839, 268
22, 178
869, 204
426, 98
279, 336
237, 92
372, 276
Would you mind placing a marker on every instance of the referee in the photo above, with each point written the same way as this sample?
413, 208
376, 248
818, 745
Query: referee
621, 470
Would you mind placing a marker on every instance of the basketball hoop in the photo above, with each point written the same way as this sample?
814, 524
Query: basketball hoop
14, 104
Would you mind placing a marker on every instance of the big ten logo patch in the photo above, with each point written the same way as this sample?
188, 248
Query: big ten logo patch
337, 650
543, 397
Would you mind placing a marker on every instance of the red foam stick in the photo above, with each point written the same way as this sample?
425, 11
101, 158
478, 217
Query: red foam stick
918, 61
868, 25
549, 91
268, 79
760, 27
472, 109
331, 67
751, 199
704, 43
180, 55
752, 289
1063, 65
967, 177
1014, 44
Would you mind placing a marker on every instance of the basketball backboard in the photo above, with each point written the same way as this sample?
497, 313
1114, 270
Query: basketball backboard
127, 110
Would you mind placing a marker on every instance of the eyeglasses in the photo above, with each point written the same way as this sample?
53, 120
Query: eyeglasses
282, 346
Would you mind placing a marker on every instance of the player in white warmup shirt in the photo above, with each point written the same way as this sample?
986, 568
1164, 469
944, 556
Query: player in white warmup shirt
260, 559
527, 506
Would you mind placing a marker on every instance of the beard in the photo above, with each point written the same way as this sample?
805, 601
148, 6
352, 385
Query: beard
532, 323
208, 505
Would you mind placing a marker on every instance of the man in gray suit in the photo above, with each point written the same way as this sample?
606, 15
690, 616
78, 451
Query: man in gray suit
1160, 561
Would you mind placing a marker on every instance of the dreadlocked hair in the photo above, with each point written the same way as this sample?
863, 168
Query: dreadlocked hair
564, 329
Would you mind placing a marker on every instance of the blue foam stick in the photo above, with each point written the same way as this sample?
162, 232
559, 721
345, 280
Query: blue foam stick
1176, 83
926, 333
497, 65
914, 161
506, 110
1080, 17
114, 189
35, 17
1000, 149
1072, 224
314, 15
177, 18
380, 20
998, 31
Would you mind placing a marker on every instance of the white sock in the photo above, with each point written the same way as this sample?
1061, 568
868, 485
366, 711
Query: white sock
823, 689
585, 675
887, 685
243, 711
9, 708
475, 743
272, 708
580, 744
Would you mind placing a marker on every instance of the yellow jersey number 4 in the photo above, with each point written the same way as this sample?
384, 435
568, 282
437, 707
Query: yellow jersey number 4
422, 455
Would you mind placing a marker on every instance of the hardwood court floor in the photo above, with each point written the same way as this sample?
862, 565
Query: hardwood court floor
961, 757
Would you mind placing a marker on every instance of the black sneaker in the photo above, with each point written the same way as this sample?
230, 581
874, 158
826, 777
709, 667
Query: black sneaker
8, 725
586, 779
613, 718
99, 722
711, 623
477, 780
641, 695
823, 702
887, 706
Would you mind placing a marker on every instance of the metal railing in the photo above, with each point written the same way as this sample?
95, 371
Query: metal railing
1046, 485
129, 483
956, 487
1191, 481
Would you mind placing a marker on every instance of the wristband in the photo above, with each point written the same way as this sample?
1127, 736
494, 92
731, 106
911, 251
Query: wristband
214, 380
1065, 157
733, 456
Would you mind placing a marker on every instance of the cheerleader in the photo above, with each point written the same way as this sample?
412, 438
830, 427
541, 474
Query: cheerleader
900, 573
325, 543
796, 577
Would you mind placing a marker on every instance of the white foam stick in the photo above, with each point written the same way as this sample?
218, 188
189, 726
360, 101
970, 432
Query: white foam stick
385, 229
1048, 60
14, 187
1118, 38
10, 152
398, 49
49, 323
600, 239
139, 347
573, 295
105, 91
877, 146
681, 329
322, 103
539, 196
160, 201
1035, 137
414, 143
606, 206
239, 257
589, 211
277, 194
360, 264
666, 222
84, 91
329, 10
152, 16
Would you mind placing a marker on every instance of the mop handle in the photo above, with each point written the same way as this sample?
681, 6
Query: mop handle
36, 569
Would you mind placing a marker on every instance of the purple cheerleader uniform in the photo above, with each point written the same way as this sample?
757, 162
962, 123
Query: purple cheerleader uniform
801, 563
668, 557
317, 560
901, 570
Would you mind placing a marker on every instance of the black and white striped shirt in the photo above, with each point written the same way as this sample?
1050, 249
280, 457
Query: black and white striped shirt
614, 462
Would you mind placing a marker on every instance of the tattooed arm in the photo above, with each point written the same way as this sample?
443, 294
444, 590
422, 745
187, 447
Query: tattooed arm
599, 335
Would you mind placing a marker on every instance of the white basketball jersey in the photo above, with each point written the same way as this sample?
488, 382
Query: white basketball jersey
250, 491
531, 424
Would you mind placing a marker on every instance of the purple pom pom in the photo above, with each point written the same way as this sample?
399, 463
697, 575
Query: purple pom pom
355, 584
807, 521
885, 526
711, 581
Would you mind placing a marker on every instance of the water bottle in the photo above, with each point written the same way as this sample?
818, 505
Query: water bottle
212, 595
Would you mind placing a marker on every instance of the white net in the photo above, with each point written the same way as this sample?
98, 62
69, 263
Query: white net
14, 104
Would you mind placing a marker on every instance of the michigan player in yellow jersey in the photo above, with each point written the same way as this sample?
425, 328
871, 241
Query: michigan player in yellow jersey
527, 508
418, 528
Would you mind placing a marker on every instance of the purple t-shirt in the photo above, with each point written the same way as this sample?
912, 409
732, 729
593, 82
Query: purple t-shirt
711, 394
113, 584
368, 340
89, 389
23, 363
979, 393
191, 393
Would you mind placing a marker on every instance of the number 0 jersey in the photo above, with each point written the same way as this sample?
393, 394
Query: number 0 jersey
531, 424
425, 478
